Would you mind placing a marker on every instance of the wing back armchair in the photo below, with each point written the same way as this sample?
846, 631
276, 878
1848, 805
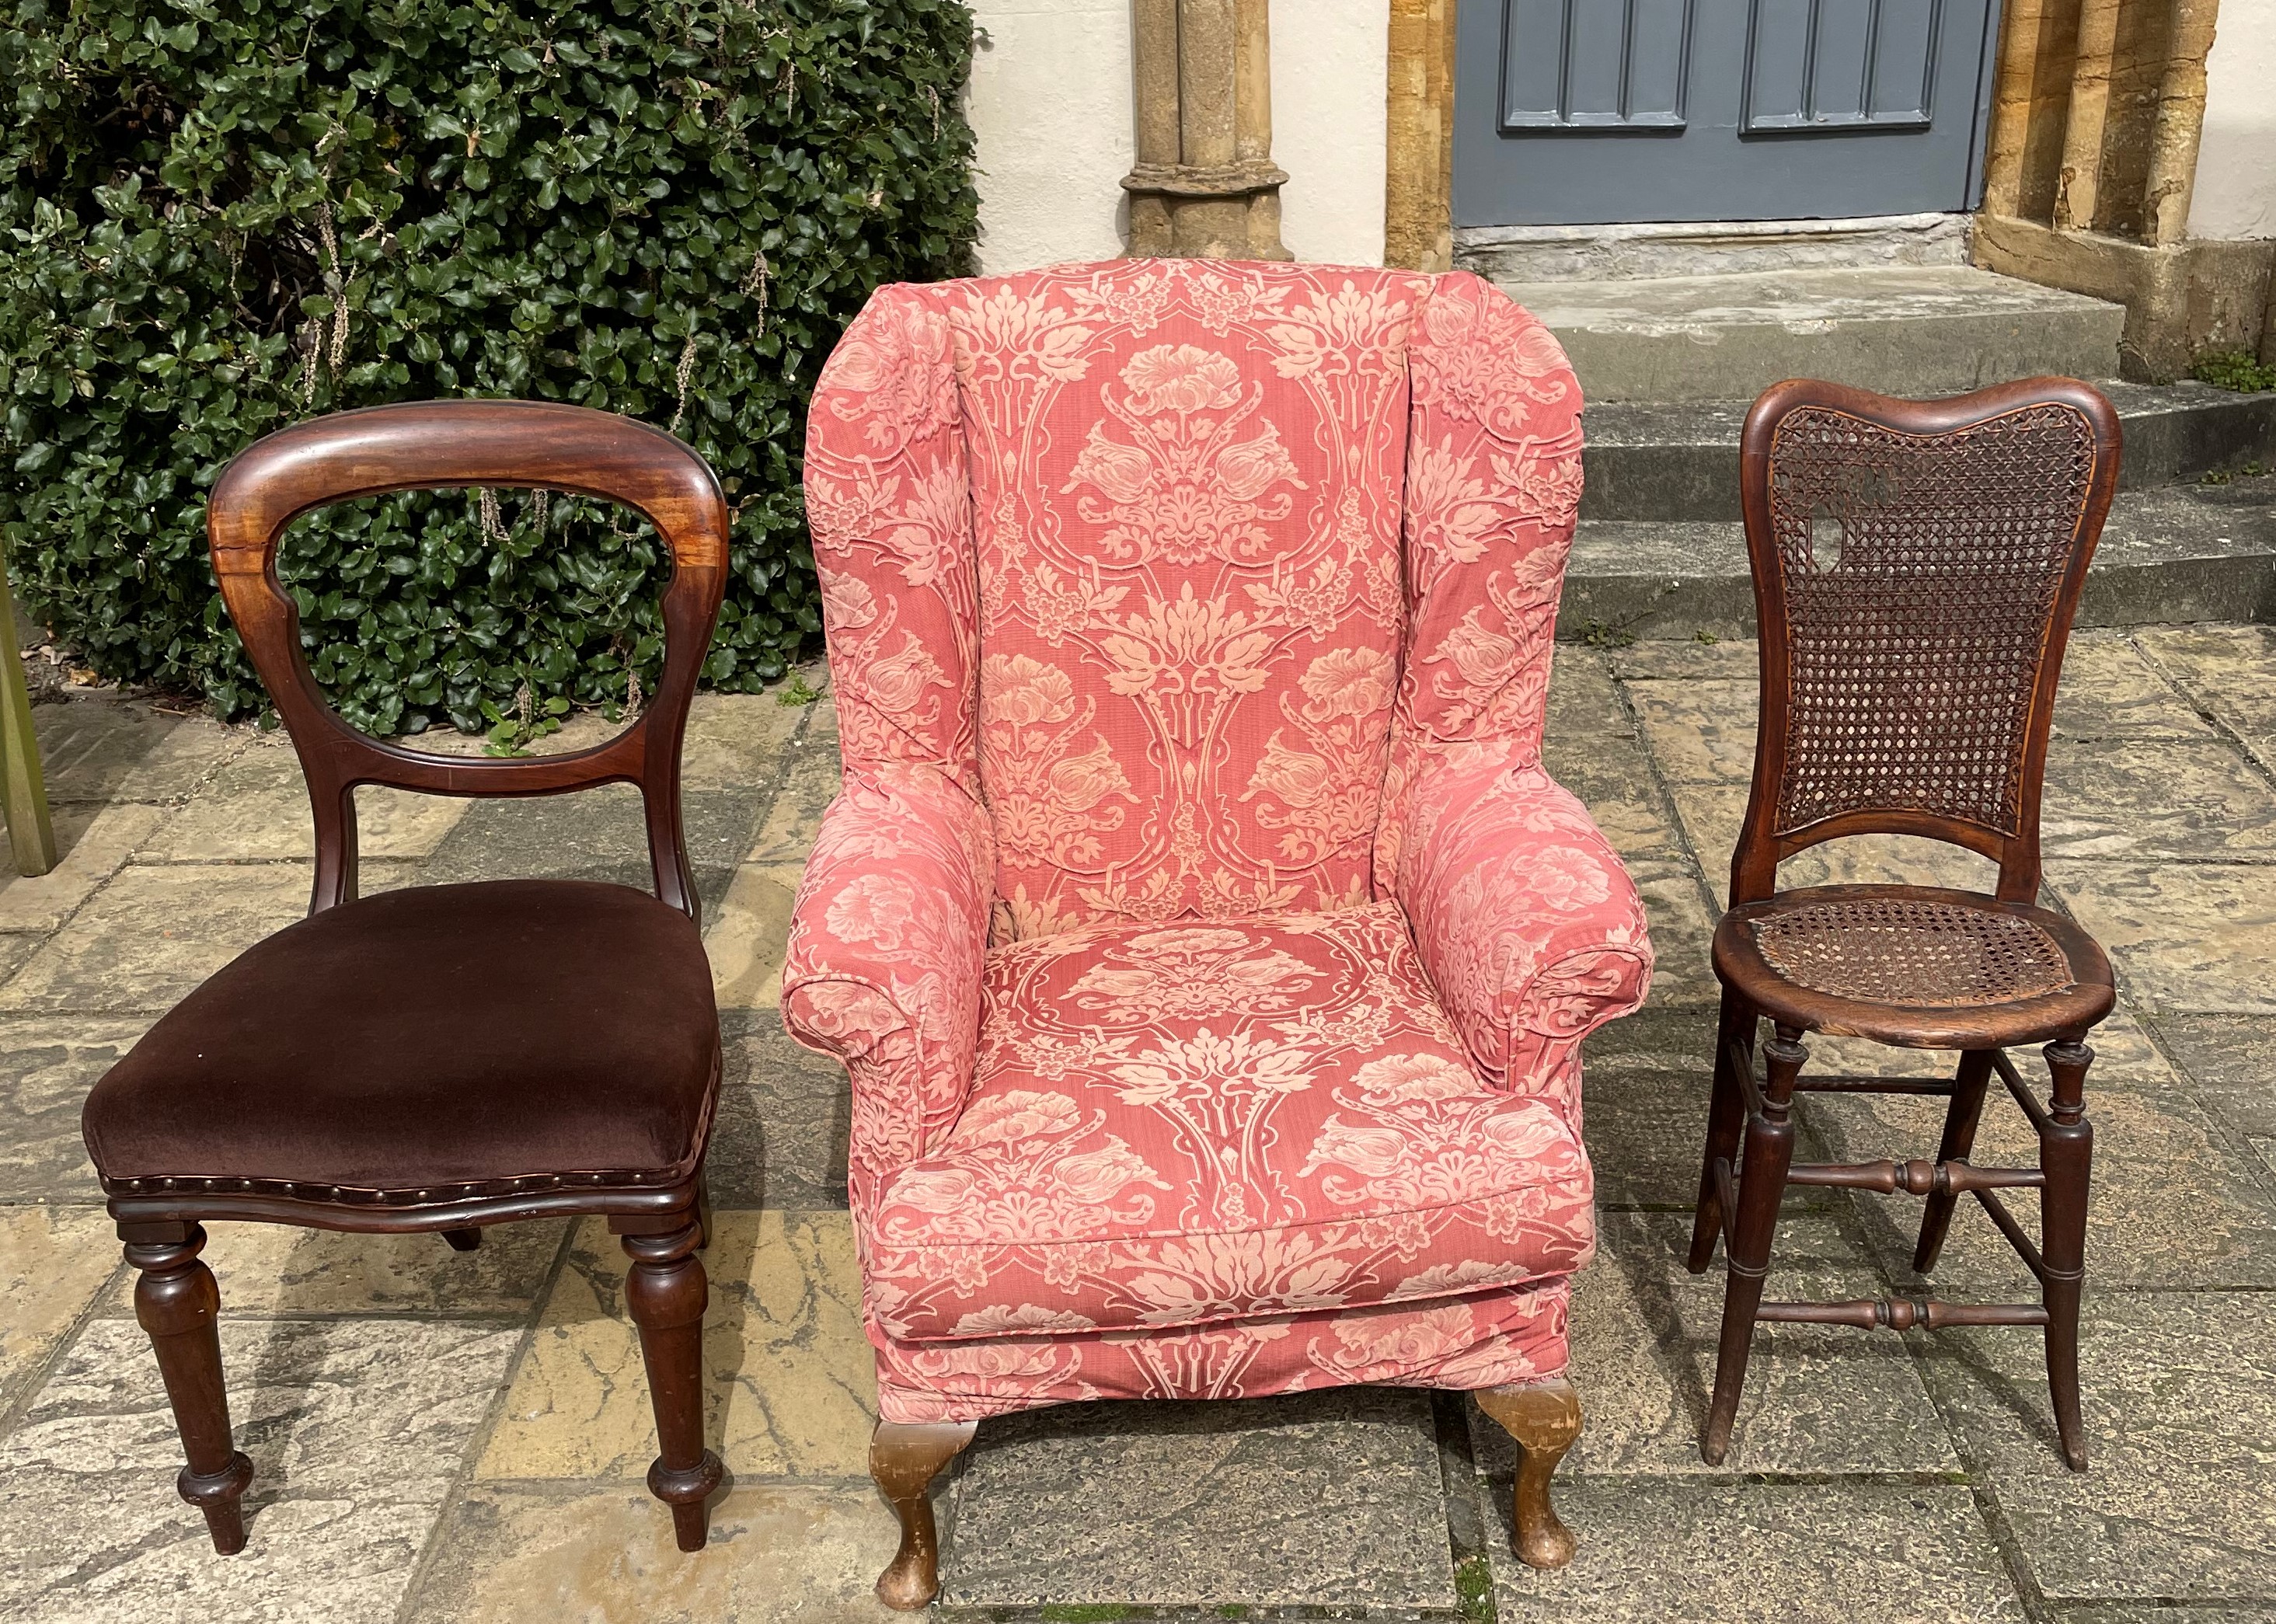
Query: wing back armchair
1209, 950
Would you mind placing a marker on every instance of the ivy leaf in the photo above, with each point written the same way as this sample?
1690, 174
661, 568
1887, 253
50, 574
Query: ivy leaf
543, 200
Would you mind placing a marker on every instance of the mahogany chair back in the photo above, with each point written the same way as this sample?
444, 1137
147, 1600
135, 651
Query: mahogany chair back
1917, 566
446, 445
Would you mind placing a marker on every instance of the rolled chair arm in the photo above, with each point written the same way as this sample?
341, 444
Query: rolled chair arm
887, 939
1531, 930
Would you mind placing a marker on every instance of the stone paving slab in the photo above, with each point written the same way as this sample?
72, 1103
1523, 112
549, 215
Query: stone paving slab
2194, 938
748, 939
1818, 1398
1645, 1130
809, 783
1762, 1553
2228, 672
792, 1385
255, 807
1331, 1499
91, 843
54, 1261
1592, 749
356, 1427
93, 748
155, 932
780, 1553
1712, 813
2188, 801
1676, 907
2179, 1499
784, 1120
2231, 1063
2174, 1204
2111, 689
597, 834
48, 1063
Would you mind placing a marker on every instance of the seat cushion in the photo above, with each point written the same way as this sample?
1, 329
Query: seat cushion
422, 1040
1177, 1124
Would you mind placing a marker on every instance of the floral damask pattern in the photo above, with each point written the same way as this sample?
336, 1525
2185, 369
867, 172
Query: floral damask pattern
1530, 929
1189, 626
1508, 1338
1173, 1127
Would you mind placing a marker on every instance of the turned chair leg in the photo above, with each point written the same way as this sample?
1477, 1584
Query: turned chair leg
905, 1459
1544, 1420
1760, 1186
1726, 1117
666, 1295
178, 1303
1960, 1121
2066, 1156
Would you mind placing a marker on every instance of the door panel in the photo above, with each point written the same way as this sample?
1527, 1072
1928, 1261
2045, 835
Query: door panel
1818, 67
1582, 64
1579, 111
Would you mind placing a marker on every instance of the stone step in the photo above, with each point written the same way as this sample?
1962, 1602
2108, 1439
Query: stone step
1902, 329
1680, 460
2180, 553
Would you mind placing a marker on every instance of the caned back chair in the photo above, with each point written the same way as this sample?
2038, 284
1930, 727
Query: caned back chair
442, 1058
1917, 566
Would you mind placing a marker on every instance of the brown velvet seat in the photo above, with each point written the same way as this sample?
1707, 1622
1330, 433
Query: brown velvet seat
441, 1059
446, 1041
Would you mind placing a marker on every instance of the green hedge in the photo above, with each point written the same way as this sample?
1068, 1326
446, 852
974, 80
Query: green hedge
215, 218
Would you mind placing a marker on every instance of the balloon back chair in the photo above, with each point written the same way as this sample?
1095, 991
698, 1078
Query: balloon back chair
1209, 950
1916, 567
442, 1058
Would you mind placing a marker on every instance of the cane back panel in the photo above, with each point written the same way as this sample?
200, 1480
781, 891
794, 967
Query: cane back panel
1916, 567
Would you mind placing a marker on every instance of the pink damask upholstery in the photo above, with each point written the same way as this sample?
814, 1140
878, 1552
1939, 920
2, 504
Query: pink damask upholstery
1208, 951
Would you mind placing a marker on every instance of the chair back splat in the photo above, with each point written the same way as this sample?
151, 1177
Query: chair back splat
444, 444
1917, 565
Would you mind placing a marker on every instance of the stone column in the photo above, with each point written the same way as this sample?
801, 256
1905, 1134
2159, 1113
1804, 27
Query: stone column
2179, 126
2079, 183
1419, 167
1205, 185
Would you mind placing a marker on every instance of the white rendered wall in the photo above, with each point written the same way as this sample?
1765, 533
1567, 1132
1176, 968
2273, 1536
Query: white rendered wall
1052, 103
2235, 192
1330, 67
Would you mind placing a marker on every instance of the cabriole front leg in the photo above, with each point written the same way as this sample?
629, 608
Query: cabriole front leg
178, 1303
905, 1459
1544, 1420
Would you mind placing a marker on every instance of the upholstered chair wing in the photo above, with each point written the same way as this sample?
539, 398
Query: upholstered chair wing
1208, 949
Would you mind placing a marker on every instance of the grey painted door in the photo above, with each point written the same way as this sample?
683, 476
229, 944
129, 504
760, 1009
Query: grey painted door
1583, 111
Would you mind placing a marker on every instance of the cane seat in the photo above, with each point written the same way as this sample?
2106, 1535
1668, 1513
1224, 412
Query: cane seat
1913, 965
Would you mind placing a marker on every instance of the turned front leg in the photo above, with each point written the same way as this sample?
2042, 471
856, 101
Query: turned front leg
178, 1303
905, 1460
1544, 1420
2066, 1156
666, 1295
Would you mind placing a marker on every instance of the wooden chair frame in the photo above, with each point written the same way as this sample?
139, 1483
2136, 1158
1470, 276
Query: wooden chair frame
434, 445
1739, 1195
